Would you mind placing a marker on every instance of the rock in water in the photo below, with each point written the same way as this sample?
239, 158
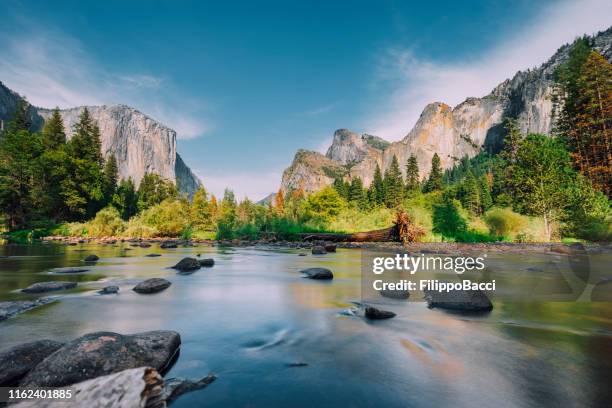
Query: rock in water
109, 290
168, 244
175, 387
103, 353
17, 361
12, 308
462, 300
68, 270
318, 250
135, 387
318, 273
330, 248
395, 294
91, 258
207, 262
145, 245
153, 255
377, 314
41, 287
152, 285
187, 265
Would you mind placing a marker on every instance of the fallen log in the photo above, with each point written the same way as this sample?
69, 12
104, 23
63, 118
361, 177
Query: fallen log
403, 230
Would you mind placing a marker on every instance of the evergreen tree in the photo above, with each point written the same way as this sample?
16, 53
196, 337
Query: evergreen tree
471, 198
377, 187
434, 182
154, 189
357, 194
111, 175
412, 175
125, 199
341, 187
486, 201
54, 134
393, 184
512, 139
21, 117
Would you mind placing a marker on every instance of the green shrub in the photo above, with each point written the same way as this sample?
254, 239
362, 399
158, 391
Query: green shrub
137, 229
503, 222
168, 218
107, 223
448, 220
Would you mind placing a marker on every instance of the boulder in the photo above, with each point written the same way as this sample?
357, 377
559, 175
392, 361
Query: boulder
187, 265
102, 353
461, 300
377, 314
134, 387
41, 287
395, 294
153, 255
318, 250
17, 361
12, 308
68, 270
301, 254
168, 244
152, 285
175, 387
330, 248
91, 258
145, 245
109, 290
207, 262
318, 273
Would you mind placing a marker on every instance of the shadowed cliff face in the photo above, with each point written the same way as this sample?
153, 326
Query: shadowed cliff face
464, 130
140, 144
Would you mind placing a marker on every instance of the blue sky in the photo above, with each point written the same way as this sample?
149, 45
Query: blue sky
246, 84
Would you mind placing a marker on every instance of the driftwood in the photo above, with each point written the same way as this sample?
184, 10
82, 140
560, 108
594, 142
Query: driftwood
403, 230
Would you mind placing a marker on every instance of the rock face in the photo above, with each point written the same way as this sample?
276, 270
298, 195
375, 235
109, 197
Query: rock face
452, 133
102, 353
17, 361
140, 144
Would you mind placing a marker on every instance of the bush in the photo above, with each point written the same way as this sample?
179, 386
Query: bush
71, 229
447, 219
168, 218
107, 223
137, 229
322, 206
503, 222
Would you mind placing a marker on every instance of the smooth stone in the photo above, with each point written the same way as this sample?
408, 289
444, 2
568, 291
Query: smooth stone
15, 307
377, 314
318, 273
395, 294
91, 258
461, 300
301, 254
68, 270
167, 244
41, 287
318, 250
152, 285
134, 387
145, 245
207, 262
175, 387
330, 248
153, 255
17, 361
109, 290
102, 353
187, 265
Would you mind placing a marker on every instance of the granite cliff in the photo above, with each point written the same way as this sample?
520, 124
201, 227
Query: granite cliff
140, 144
452, 132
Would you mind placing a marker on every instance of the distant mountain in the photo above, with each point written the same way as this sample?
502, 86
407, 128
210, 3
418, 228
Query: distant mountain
453, 133
140, 144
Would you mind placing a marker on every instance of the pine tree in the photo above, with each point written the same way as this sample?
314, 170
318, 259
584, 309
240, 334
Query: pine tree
125, 199
54, 134
412, 175
378, 187
357, 194
21, 117
154, 189
111, 175
471, 198
486, 201
434, 182
511, 140
393, 184
341, 187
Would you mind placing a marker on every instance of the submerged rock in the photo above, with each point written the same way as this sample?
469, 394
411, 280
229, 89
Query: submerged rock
395, 294
103, 353
301, 254
17, 361
91, 258
134, 387
68, 270
318, 273
109, 290
330, 248
318, 250
152, 285
168, 244
207, 262
461, 300
41, 287
175, 387
153, 255
377, 314
145, 245
297, 364
12, 308
187, 265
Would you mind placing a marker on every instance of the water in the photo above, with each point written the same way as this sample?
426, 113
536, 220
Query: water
251, 316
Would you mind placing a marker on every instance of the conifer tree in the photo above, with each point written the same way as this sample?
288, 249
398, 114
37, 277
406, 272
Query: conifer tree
54, 134
393, 184
377, 187
486, 201
111, 175
434, 182
471, 198
412, 174
125, 199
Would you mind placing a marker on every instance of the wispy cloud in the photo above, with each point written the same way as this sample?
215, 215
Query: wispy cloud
255, 186
53, 69
417, 82
321, 110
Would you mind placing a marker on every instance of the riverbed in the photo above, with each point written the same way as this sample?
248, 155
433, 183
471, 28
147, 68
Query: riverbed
274, 338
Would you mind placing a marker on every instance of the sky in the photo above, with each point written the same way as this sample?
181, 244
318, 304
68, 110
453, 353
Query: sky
246, 84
